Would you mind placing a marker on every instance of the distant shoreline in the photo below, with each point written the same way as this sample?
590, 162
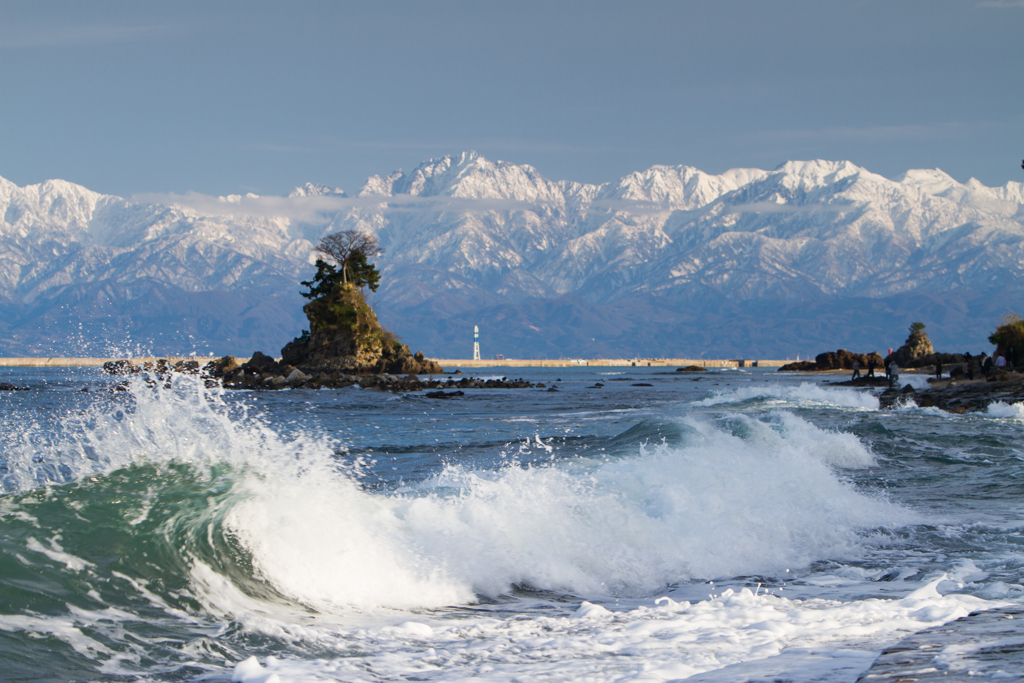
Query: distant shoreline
447, 362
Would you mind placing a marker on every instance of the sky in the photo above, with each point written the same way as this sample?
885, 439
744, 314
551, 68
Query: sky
222, 97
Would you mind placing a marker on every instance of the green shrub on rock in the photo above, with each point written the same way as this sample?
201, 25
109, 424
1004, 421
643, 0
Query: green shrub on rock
1009, 339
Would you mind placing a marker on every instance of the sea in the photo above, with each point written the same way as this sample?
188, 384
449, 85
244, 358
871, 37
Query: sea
613, 524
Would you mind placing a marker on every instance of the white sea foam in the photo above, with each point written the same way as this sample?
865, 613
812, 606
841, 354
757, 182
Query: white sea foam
805, 393
184, 423
918, 381
755, 497
722, 505
738, 496
723, 639
1014, 411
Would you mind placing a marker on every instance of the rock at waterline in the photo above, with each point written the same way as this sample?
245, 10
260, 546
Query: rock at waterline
960, 397
344, 334
839, 360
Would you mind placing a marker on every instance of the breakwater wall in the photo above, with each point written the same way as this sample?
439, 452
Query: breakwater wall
612, 362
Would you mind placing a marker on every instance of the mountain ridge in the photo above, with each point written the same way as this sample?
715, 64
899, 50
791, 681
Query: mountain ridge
462, 234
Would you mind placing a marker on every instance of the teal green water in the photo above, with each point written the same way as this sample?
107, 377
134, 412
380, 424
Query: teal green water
170, 534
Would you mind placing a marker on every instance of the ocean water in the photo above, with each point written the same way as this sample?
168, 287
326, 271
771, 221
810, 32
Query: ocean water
730, 526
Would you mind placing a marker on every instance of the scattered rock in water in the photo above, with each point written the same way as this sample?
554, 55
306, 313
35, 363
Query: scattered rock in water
7, 386
442, 394
800, 366
263, 373
691, 368
641, 384
877, 381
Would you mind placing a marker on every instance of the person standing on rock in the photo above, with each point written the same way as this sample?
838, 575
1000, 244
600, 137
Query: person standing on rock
986, 367
938, 369
856, 370
894, 373
871, 366
1001, 363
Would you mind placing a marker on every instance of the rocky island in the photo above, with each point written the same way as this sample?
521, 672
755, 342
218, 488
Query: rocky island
345, 344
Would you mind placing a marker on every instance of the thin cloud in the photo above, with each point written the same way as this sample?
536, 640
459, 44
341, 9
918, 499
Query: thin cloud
320, 209
772, 207
12, 38
635, 207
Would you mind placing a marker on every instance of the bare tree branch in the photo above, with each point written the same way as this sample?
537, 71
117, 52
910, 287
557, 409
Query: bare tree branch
342, 246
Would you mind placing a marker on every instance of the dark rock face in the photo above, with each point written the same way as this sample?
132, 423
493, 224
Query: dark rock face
262, 372
344, 334
877, 381
840, 360
260, 362
930, 359
915, 348
800, 366
843, 360
960, 397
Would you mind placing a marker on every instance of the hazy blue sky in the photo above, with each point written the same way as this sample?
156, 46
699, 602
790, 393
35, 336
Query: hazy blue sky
227, 97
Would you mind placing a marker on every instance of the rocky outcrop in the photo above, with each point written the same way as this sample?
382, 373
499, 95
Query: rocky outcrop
960, 397
285, 376
261, 372
800, 366
917, 347
929, 360
344, 335
839, 360
876, 381
844, 360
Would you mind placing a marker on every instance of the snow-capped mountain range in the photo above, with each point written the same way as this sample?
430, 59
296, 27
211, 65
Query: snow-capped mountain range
670, 261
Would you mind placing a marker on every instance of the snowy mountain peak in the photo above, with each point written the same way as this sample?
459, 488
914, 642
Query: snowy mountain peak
317, 190
483, 234
468, 175
376, 185
56, 204
808, 175
928, 181
681, 187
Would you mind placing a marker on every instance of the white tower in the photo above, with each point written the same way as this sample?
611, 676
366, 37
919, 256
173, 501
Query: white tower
476, 342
